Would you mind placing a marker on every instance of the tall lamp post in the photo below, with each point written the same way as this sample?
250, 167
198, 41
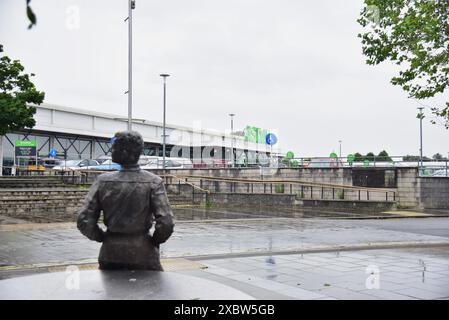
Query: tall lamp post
131, 6
232, 138
164, 76
340, 141
420, 115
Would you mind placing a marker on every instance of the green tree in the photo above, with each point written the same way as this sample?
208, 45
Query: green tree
16, 90
414, 34
383, 156
411, 158
370, 156
438, 157
358, 157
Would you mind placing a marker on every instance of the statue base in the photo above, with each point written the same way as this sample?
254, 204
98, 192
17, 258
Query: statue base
116, 285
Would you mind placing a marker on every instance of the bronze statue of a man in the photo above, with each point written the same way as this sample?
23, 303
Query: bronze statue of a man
131, 200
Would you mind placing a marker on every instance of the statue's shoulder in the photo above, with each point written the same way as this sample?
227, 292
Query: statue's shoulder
150, 177
106, 176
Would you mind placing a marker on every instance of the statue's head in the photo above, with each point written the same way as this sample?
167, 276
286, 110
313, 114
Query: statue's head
127, 147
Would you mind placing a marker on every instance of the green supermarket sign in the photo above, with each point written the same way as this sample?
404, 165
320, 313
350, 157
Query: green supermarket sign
26, 143
254, 134
25, 148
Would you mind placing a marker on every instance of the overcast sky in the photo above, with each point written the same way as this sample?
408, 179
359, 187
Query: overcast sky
287, 65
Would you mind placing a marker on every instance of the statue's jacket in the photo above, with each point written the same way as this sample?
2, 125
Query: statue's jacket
131, 201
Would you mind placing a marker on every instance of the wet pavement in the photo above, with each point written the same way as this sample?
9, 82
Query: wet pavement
267, 256
396, 274
186, 213
63, 244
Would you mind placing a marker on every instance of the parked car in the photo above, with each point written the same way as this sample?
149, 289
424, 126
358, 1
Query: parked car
144, 162
49, 163
102, 159
76, 164
440, 173
106, 165
170, 163
179, 163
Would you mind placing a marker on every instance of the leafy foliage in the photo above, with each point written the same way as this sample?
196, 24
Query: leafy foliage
16, 90
411, 158
358, 157
382, 156
415, 35
31, 16
438, 157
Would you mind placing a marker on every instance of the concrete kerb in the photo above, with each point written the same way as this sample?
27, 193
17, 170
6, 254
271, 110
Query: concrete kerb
325, 249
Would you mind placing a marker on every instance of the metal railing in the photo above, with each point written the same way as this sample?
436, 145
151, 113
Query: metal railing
301, 189
429, 168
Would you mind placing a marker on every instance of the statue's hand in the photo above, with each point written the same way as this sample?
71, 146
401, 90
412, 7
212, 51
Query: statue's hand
154, 243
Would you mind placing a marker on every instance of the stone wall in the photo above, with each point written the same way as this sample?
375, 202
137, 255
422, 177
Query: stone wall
288, 200
434, 193
407, 187
412, 191
341, 176
421, 192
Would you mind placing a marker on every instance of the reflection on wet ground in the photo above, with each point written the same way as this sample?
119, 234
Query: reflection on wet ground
375, 274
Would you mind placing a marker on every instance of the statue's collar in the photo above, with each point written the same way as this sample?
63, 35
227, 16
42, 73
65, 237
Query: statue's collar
131, 167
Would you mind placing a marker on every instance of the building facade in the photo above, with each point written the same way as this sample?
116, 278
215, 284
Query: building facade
80, 134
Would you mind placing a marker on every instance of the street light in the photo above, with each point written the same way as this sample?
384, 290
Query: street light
232, 138
131, 6
339, 141
420, 116
164, 76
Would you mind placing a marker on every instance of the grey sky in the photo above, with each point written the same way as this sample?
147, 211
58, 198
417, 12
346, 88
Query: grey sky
295, 66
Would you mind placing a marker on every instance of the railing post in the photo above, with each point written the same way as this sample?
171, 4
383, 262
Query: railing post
367, 194
386, 196
447, 168
322, 192
343, 194
333, 193
291, 192
359, 195
311, 192
271, 188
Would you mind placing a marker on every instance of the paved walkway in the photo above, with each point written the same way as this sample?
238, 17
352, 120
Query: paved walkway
270, 258
62, 243
372, 274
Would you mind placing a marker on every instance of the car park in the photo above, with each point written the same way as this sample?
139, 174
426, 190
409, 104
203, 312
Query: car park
76, 164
